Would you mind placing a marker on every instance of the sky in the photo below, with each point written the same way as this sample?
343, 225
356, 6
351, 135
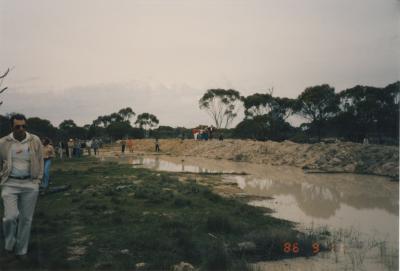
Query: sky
78, 59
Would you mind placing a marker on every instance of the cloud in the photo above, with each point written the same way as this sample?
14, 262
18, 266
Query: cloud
174, 105
246, 45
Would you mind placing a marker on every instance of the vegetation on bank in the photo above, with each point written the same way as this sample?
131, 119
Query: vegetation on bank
118, 217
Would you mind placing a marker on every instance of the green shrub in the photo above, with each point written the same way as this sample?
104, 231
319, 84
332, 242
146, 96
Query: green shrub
219, 223
211, 196
182, 201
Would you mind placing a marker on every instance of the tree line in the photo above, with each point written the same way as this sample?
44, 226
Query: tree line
110, 127
352, 114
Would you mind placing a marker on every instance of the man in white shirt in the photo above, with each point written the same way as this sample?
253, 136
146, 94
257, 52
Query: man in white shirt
89, 147
21, 171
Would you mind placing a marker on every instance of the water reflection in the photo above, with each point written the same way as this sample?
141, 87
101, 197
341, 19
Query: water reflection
367, 203
315, 200
321, 198
162, 164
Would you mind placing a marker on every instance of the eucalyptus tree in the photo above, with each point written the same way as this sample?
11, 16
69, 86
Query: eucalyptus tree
147, 121
222, 105
69, 129
317, 104
367, 111
265, 117
42, 128
126, 113
264, 104
258, 104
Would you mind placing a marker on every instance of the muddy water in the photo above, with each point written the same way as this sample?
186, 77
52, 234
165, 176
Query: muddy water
365, 203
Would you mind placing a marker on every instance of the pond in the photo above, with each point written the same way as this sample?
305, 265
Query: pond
369, 204
363, 204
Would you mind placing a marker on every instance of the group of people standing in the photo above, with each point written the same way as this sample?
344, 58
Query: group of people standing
206, 133
76, 147
203, 134
129, 142
126, 142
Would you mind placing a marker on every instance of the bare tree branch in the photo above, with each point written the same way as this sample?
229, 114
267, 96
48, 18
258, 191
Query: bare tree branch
4, 89
1, 82
5, 74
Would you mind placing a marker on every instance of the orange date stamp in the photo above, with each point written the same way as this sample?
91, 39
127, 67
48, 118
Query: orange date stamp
295, 248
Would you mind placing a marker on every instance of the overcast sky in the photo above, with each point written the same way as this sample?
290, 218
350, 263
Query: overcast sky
78, 59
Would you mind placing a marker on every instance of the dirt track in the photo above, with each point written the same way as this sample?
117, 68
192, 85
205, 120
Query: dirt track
332, 157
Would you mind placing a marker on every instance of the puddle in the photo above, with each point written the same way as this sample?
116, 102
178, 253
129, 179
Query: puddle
172, 166
368, 205
175, 164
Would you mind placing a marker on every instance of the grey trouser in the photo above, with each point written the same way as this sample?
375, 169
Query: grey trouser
19, 205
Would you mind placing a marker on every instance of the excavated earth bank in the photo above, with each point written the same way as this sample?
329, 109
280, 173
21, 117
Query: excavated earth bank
321, 157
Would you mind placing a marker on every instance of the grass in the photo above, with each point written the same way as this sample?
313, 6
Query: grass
116, 216
354, 250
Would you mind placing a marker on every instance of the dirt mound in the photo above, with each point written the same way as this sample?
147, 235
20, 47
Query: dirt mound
332, 157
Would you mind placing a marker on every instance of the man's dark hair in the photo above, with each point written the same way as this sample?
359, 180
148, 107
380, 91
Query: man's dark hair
16, 117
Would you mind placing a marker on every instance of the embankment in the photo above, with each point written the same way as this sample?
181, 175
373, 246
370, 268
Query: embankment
325, 157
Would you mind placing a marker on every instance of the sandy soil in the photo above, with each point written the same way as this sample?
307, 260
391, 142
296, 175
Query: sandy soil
321, 157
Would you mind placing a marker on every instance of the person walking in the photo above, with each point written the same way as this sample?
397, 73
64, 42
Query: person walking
77, 147
60, 150
70, 145
95, 146
89, 147
21, 171
130, 144
157, 145
48, 155
123, 145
